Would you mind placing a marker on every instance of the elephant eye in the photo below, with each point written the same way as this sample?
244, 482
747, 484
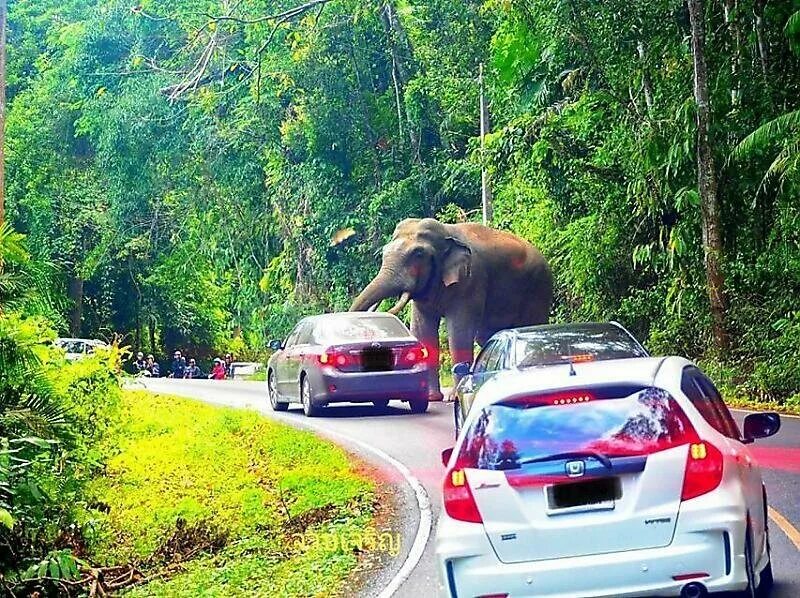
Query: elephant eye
418, 252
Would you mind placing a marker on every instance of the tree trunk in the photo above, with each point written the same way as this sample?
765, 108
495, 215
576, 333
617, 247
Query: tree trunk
75, 292
707, 180
3, 15
735, 30
151, 325
761, 37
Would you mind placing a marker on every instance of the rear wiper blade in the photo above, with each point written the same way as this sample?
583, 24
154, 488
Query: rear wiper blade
606, 462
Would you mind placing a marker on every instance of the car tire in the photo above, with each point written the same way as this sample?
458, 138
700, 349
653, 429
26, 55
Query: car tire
750, 590
307, 398
380, 404
419, 406
272, 389
767, 580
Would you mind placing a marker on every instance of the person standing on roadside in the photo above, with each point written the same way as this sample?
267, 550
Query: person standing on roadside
218, 371
228, 365
193, 371
178, 367
153, 367
140, 365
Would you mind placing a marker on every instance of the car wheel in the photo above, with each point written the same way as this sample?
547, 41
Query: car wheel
420, 406
381, 404
272, 386
750, 591
309, 408
767, 580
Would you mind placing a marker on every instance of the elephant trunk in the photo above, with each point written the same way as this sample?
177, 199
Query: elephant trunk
376, 291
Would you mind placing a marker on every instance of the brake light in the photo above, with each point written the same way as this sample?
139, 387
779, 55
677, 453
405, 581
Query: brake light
458, 500
703, 470
336, 358
416, 354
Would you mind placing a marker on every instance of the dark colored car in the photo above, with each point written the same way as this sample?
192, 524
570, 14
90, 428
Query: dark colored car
540, 346
360, 357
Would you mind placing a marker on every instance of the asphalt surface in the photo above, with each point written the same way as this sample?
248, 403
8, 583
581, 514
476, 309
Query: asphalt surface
417, 442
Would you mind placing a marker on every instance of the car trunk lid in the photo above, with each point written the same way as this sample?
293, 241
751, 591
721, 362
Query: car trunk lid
579, 473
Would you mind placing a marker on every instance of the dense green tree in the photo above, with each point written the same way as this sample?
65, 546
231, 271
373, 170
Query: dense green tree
202, 174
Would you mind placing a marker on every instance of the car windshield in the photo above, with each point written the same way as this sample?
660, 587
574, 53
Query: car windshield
344, 329
550, 346
606, 421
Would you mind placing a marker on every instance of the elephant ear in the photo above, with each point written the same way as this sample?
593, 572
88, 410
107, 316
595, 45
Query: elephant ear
457, 263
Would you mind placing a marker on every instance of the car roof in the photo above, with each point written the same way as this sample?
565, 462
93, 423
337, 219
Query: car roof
352, 315
521, 331
509, 383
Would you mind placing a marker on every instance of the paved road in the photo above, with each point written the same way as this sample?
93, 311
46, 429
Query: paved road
417, 441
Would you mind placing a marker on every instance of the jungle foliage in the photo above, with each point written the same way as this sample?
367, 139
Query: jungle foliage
202, 173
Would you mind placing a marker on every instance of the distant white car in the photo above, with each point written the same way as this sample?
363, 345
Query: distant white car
76, 348
614, 478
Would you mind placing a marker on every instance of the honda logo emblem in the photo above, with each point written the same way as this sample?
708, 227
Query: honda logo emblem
575, 469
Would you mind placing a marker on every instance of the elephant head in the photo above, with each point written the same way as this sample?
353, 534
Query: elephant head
423, 256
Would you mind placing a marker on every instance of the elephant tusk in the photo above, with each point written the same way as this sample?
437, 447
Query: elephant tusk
401, 303
373, 307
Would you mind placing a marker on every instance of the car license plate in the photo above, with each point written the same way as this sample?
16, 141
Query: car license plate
376, 359
598, 493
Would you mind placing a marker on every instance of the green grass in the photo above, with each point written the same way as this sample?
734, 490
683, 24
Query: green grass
259, 376
219, 499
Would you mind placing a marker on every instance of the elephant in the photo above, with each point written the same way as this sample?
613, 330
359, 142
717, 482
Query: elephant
480, 280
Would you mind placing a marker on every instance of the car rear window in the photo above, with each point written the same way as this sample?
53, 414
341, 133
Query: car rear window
337, 330
613, 421
590, 343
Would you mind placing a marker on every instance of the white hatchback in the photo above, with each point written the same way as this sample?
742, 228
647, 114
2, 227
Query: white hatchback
610, 479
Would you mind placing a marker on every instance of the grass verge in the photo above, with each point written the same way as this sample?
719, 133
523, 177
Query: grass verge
222, 502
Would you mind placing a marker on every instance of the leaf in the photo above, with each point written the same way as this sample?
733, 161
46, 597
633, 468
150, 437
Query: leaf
40, 442
6, 519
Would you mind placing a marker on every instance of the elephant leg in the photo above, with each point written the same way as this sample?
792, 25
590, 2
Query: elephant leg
461, 337
426, 328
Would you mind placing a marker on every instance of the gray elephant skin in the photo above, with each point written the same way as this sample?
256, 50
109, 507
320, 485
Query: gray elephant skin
480, 280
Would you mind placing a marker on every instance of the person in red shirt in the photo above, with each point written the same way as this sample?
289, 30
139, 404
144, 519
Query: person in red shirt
218, 371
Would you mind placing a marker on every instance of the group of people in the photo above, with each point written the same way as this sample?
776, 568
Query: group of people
181, 368
146, 367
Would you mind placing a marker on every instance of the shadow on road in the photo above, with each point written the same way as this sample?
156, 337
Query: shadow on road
366, 410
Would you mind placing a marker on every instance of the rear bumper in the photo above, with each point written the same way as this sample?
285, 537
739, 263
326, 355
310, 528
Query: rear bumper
333, 386
713, 544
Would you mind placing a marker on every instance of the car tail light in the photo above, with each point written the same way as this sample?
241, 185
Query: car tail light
703, 470
415, 354
458, 500
337, 359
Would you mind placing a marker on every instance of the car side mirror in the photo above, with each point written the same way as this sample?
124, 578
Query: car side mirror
446, 454
462, 369
276, 345
761, 425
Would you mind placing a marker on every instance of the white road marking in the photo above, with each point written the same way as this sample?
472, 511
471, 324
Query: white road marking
423, 504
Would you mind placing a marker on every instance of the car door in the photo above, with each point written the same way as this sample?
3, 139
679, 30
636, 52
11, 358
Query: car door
708, 401
751, 475
283, 367
294, 358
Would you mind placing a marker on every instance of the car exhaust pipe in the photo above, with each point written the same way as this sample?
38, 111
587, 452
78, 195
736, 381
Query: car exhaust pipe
694, 590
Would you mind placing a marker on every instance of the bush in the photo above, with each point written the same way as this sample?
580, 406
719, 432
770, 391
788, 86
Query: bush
52, 416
